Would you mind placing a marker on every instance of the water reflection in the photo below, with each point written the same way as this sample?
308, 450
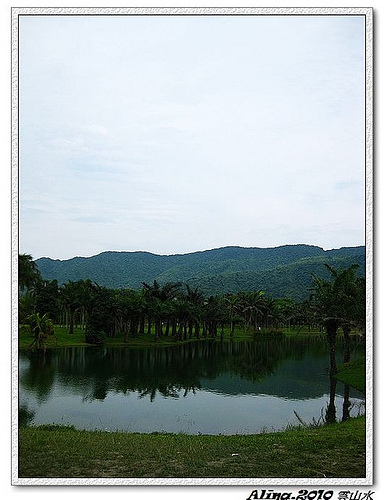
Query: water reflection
211, 374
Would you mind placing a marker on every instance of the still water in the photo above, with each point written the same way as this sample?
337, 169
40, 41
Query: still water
207, 388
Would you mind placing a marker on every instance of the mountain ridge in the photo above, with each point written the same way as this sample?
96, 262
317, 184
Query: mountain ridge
285, 269
146, 252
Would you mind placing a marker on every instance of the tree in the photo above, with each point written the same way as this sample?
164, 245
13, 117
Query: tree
27, 302
101, 315
28, 277
41, 327
253, 306
195, 302
339, 304
131, 311
70, 298
47, 298
232, 304
157, 298
28, 272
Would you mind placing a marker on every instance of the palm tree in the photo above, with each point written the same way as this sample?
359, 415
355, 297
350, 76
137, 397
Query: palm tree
102, 312
354, 309
41, 327
47, 298
339, 303
131, 307
28, 272
70, 299
157, 298
253, 306
232, 303
28, 277
195, 299
27, 305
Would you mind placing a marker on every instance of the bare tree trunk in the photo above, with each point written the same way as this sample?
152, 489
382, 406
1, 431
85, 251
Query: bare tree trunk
346, 403
232, 328
149, 325
331, 329
197, 330
346, 344
71, 322
167, 325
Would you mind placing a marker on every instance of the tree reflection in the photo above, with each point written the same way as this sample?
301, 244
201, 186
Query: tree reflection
180, 370
25, 415
330, 415
39, 376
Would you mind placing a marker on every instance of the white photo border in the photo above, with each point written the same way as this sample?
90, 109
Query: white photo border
196, 11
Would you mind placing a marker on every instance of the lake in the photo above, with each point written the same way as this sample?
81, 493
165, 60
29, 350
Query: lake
207, 388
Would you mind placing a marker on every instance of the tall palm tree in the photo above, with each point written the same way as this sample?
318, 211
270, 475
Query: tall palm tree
47, 298
70, 299
339, 304
253, 306
41, 327
232, 303
157, 298
195, 299
28, 272
28, 277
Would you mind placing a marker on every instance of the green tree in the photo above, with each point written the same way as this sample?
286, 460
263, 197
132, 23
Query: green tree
253, 306
158, 300
47, 298
28, 272
232, 304
41, 327
195, 300
71, 301
101, 315
28, 278
27, 303
338, 303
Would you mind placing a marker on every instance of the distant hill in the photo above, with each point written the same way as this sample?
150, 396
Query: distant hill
284, 271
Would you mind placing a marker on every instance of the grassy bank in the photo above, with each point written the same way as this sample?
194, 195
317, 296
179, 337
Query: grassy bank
337, 450
62, 338
353, 374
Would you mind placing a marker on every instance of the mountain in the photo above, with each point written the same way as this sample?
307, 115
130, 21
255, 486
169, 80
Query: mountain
283, 271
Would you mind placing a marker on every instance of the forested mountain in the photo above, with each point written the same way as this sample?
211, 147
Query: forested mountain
283, 271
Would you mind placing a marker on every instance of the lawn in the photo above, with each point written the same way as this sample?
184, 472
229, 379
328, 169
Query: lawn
337, 450
62, 338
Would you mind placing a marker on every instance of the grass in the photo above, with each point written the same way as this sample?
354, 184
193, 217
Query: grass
62, 338
353, 374
337, 450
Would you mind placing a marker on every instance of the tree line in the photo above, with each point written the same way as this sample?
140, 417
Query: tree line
183, 312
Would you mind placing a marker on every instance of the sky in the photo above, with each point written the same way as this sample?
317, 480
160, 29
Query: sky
174, 134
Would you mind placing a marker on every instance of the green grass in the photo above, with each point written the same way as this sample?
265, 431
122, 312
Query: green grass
353, 374
337, 450
62, 338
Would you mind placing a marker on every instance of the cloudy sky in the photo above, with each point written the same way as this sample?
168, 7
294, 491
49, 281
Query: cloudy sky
174, 134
